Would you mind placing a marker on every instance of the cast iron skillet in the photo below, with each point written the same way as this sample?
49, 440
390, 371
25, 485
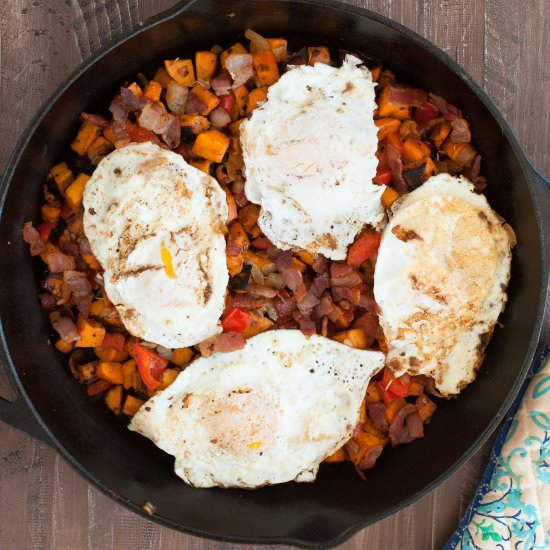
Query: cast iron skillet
126, 466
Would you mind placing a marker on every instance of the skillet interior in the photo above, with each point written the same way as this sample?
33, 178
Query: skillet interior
127, 465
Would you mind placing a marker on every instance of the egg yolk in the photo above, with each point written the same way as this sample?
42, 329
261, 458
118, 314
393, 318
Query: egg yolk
166, 258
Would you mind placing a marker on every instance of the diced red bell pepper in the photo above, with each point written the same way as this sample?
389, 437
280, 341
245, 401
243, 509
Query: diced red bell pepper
45, 228
114, 340
227, 101
365, 247
236, 320
150, 365
426, 112
383, 177
99, 386
397, 386
387, 395
262, 243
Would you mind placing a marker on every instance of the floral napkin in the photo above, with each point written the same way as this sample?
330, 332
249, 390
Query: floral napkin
511, 508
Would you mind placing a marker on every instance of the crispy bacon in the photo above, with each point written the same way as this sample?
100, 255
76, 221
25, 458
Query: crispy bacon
406, 96
308, 302
283, 260
460, 132
449, 111
284, 304
370, 457
351, 294
320, 264
377, 413
320, 284
403, 430
58, 262
96, 120
292, 278
221, 84
261, 290
64, 326
31, 235
229, 341
78, 282
47, 300
240, 67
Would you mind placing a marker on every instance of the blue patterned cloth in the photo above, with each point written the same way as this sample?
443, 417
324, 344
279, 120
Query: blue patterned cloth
511, 508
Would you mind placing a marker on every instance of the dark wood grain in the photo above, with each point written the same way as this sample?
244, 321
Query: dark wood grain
43, 502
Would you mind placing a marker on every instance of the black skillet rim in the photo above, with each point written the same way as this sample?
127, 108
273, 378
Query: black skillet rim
528, 170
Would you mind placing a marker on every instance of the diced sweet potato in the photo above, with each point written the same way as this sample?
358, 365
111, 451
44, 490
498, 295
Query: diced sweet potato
318, 54
462, 153
353, 337
206, 98
415, 152
166, 378
75, 191
279, 47
338, 456
305, 256
110, 371
64, 347
110, 354
181, 356
211, 145
389, 196
202, 164
162, 77
426, 407
91, 333
237, 239
193, 125
62, 176
257, 324
181, 70
373, 393
153, 90
388, 109
86, 136
131, 405
241, 100
256, 97
129, 375
266, 67
386, 126
440, 133
50, 213
206, 63
113, 399
235, 127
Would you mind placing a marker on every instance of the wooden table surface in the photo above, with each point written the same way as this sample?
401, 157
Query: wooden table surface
44, 504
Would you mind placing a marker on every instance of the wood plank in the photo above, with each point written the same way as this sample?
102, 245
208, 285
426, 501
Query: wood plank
43, 502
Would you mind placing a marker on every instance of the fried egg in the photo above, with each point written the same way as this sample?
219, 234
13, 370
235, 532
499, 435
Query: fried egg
268, 413
310, 156
440, 281
156, 225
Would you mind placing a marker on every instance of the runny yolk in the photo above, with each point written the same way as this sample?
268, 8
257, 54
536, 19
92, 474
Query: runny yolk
166, 258
255, 444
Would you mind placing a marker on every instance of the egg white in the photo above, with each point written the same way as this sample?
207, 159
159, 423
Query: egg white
268, 413
310, 156
140, 200
440, 281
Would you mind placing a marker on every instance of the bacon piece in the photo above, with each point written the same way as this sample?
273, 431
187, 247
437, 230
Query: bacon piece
64, 326
77, 282
58, 262
292, 278
460, 132
406, 96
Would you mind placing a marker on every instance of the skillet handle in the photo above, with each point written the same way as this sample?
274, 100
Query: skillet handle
17, 413
541, 194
